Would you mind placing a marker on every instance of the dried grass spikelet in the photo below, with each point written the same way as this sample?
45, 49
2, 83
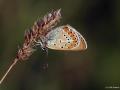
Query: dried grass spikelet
37, 32
33, 35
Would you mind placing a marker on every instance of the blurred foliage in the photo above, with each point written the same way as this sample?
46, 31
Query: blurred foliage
97, 67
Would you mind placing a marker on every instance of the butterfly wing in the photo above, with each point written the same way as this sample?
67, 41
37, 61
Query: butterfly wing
66, 38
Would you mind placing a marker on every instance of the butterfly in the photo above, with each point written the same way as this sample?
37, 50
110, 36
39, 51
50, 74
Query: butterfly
65, 38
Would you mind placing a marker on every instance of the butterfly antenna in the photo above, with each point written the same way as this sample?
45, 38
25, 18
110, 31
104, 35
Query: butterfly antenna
6, 73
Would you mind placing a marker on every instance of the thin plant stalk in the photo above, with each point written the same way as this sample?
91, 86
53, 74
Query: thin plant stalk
9, 69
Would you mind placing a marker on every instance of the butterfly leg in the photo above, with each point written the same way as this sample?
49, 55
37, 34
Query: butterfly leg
42, 44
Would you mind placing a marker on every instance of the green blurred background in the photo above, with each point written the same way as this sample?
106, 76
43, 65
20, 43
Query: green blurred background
94, 69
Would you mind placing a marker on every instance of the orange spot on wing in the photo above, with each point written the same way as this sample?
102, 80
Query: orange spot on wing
74, 38
75, 42
66, 29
